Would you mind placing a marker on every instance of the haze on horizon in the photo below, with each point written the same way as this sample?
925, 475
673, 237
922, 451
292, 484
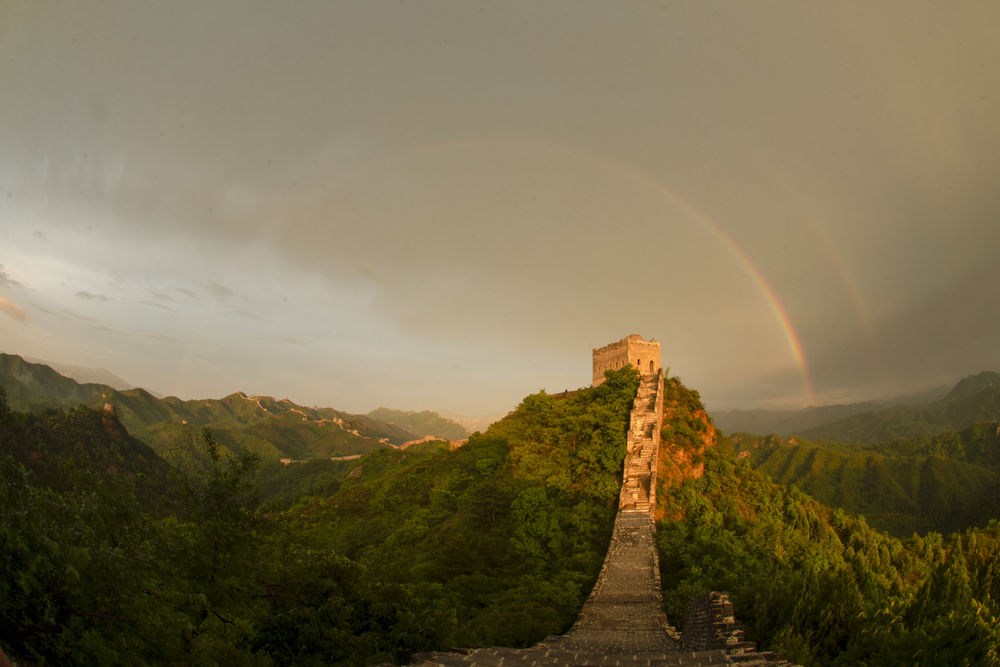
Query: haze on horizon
446, 205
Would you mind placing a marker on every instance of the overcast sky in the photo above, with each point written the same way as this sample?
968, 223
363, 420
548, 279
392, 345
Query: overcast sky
447, 205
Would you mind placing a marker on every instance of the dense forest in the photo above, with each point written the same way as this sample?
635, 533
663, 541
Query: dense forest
113, 554
943, 483
821, 585
261, 425
109, 562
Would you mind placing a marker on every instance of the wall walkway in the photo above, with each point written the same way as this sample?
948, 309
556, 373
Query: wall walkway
622, 621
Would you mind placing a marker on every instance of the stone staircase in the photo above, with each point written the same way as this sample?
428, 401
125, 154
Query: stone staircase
639, 478
622, 621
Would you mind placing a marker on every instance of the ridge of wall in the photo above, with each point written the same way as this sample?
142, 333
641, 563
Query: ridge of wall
643, 441
622, 620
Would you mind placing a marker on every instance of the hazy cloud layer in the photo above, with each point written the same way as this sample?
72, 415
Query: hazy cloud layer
6, 280
11, 309
447, 205
83, 294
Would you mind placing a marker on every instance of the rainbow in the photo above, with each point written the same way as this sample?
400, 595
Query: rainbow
792, 338
785, 322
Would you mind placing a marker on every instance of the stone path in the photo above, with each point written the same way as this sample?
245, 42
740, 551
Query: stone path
621, 622
639, 478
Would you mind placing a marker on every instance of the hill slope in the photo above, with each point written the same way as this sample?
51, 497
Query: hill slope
258, 424
509, 530
791, 422
974, 399
497, 542
421, 423
899, 493
815, 583
61, 448
37, 387
85, 374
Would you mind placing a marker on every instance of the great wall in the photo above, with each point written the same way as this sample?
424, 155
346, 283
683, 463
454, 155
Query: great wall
622, 621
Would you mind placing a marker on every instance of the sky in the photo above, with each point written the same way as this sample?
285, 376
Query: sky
448, 205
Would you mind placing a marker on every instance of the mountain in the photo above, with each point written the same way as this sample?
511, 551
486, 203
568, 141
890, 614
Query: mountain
790, 422
262, 425
61, 448
495, 543
785, 422
506, 534
85, 374
974, 399
902, 488
821, 586
421, 423
472, 423
37, 387
974, 385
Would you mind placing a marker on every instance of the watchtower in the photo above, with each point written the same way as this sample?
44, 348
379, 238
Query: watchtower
644, 355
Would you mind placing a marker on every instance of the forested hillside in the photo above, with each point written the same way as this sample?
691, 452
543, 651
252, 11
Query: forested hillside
111, 555
404, 550
926, 413
421, 423
36, 386
818, 584
261, 425
944, 483
976, 398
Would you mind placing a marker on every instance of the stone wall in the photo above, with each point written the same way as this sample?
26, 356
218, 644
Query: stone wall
711, 624
631, 350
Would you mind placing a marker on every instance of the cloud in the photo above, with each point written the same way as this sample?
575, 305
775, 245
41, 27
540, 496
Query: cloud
186, 292
162, 296
5, 278
293, 340
45, 310
219, 291
83, 294
156, 305
12, 310
85, 318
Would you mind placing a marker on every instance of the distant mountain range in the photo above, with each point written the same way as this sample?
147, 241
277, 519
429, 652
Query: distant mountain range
424, 423
944, 482
974, 398
471, 423
240, 423
933, 465
85, 374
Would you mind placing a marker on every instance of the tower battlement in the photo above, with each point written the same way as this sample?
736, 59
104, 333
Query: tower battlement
644, 355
